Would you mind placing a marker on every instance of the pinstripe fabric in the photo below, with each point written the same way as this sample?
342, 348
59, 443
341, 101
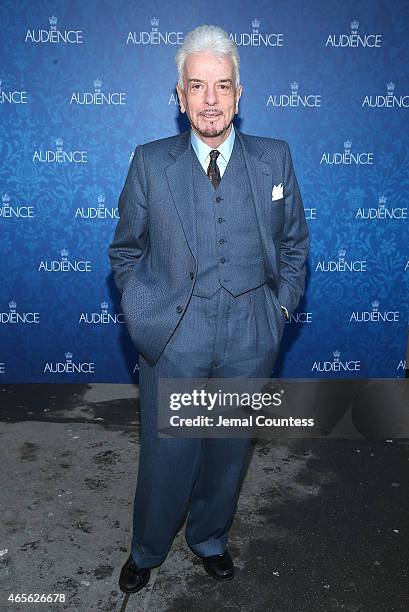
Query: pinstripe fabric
154, 251
220, 337
227, 214
154, 257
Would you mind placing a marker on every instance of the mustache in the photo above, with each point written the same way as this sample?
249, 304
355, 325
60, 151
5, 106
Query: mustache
211, 112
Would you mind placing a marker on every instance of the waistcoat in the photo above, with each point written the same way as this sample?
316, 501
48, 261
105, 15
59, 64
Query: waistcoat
229, 243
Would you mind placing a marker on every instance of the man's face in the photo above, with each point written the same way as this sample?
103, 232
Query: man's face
209, 97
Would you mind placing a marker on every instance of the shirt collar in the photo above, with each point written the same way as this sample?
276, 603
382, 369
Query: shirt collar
202, 149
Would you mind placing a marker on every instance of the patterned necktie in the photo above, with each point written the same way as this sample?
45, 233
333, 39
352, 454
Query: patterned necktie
213, 171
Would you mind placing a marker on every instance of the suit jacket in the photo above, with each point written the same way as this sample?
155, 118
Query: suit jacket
153, 252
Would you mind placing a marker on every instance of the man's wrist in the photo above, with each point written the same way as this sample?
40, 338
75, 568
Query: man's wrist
285, 311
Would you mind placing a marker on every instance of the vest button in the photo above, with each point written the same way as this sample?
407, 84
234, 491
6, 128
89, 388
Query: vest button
222, 260
192, 275
222, 241
219, 220
219, 199
179, 308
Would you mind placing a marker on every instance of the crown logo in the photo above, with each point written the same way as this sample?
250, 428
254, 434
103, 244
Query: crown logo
390, 87
294, 86
382, 201
12, 305
336, 355
104, 305
68, 356
347, 145
155, 24
255, 24
341, 253
53, 22
59, 142
354, 26
6, 198
97, 84
375, 305
101, 199
64, 253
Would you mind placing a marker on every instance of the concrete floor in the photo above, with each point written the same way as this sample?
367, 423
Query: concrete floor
322, 524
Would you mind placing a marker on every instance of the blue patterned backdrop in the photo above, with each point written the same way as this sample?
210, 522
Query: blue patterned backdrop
82, 83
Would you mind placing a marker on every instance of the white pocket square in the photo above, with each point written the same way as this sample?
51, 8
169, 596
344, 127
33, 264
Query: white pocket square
277, 192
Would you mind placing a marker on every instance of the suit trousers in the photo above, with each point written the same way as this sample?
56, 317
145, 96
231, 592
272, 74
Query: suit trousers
218, 337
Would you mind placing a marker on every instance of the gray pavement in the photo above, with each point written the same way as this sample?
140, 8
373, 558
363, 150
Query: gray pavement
322, 524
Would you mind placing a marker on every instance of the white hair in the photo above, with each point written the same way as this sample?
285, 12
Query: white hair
208, 38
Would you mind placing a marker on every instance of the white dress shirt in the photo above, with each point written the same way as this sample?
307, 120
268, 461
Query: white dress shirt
202, 150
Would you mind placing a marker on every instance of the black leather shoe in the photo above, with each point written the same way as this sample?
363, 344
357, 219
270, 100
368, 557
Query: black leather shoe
219, 567
133, 578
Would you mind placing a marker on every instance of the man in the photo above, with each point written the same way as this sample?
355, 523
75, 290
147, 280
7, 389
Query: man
209, 256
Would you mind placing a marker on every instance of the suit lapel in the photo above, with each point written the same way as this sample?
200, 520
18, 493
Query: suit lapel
260, 177
180, 179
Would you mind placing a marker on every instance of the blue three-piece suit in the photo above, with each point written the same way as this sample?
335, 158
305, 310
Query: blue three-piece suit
203, 273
